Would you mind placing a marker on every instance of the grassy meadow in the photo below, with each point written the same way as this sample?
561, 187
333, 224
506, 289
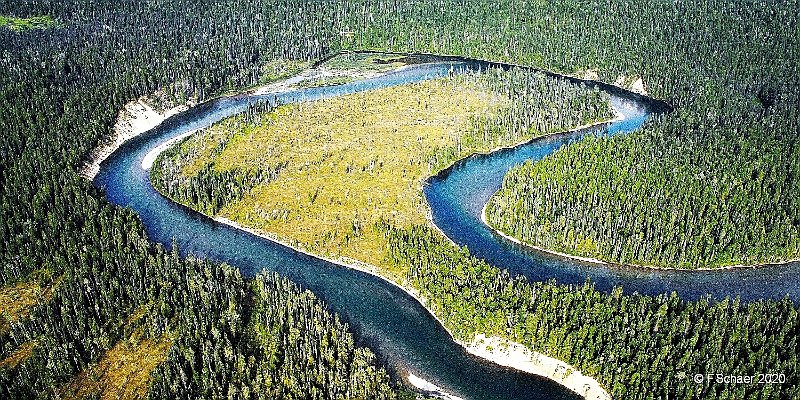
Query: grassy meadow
350, 162
342, 167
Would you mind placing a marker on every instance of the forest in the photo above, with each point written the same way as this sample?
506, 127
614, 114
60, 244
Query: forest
105, 306
669, 195
637, 347
728, 67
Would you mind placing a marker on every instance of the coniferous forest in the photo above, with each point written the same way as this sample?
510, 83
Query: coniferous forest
719, 173
638, 347
670, 195
107, 295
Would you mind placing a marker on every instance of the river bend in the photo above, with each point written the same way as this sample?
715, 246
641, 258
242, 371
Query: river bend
384, 317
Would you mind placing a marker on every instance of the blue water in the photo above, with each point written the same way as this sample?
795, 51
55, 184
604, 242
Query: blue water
382, 316
457, 199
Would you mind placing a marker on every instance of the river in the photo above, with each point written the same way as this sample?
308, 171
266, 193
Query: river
382, 316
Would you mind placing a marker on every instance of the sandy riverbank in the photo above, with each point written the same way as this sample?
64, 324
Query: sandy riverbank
634, 84
515, 355
140, 115
135, 118
429, 389
150, 157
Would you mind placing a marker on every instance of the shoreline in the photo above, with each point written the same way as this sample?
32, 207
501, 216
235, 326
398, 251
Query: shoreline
618, 116
517, 356
136, 117
429, 389
139, 116
514, 355
150, 157
505, 353
590, 260
596, 261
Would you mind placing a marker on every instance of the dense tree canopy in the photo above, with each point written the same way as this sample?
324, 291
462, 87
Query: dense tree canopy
108, 288
729, 67
637, 347
670, 195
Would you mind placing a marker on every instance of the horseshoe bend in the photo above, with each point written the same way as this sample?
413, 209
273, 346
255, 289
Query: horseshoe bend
282, 218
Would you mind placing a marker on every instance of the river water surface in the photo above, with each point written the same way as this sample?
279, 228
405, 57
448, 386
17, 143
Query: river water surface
457, 198
383, 316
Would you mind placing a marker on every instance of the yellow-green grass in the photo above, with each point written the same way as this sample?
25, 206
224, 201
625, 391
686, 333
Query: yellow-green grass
22, 24
123, 372
19, 355
351, 162
17, 300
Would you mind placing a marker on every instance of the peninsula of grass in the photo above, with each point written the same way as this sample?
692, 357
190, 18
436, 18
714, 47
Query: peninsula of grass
328, 176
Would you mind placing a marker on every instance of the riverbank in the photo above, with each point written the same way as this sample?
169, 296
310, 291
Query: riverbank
591, 260
429, 389
420, 384
518, 356
494, 349
619, 116
141, 115
135, 118
537, 248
